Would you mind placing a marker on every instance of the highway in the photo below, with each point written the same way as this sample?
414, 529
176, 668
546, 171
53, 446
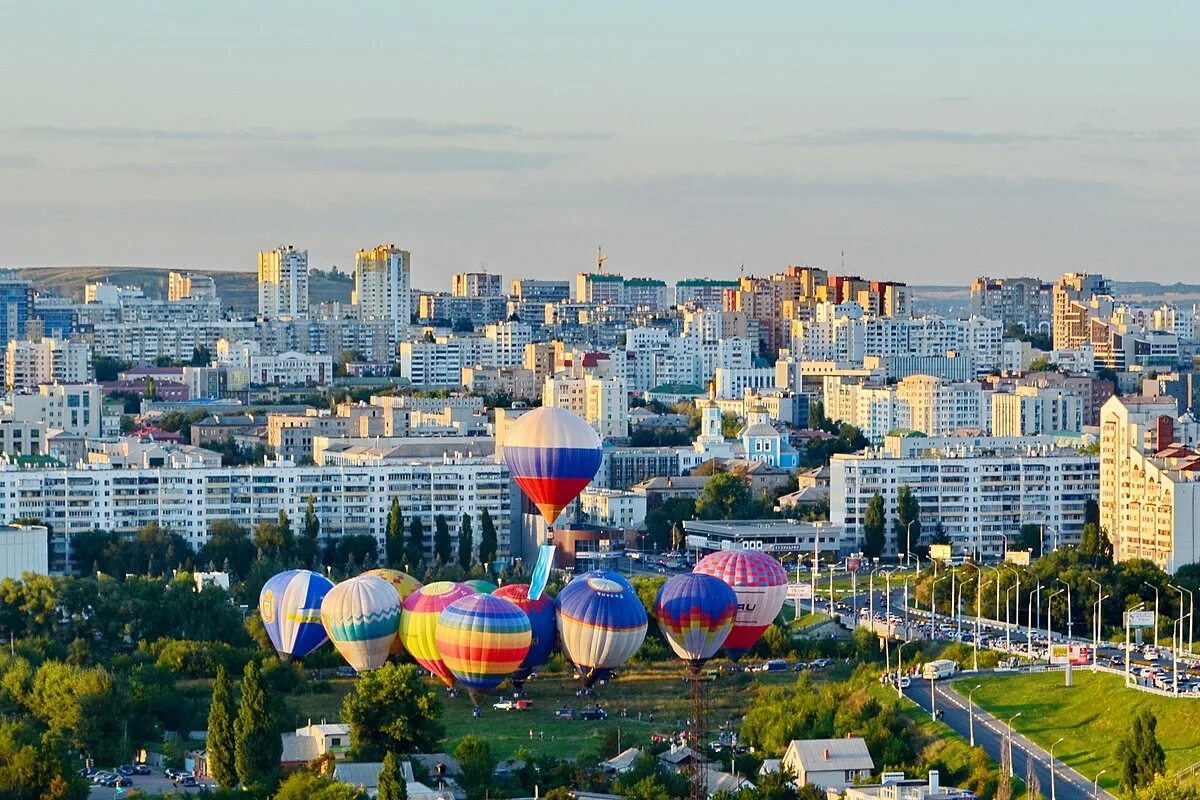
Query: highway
989, 734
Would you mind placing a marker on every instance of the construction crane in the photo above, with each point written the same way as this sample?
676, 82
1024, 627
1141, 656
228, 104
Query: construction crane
600, 259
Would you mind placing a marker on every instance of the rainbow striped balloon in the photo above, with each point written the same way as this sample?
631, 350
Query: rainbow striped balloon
418, 624
361, 616
601, 624
695, 613
482, 639
480, 585
552, 455
404, 584
543, 624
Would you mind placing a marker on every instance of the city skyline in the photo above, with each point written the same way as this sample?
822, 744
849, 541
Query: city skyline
929, 148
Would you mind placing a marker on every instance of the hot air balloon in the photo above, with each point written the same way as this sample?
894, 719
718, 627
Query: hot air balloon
695, 613
760, 583
543, 625
480, 585
601, 623
290, 607
418, 624
404, 584
482, 639
361, 616
552, 454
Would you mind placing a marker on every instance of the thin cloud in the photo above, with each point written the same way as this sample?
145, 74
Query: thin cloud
17, 162
858, 137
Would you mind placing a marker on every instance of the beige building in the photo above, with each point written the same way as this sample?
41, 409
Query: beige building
1033, 410
1071, 307
29, 364
1149, 468
283, 283
185, 285
603, 402
381, 286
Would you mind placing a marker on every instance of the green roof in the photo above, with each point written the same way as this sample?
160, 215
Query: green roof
645, 282
705, 282
604, 277
38, 461
677, 388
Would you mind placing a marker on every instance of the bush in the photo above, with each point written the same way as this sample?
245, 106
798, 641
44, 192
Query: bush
198, 659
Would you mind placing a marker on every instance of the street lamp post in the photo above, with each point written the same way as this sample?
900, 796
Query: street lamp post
1007, 624
1017, 609
1155, 588
1012, 770
900, 666
1191, 615
1096, 620
933, 607
1067, 676
907, 578
1053, 794
978, 599
1128, 612
1049, 631
971, 712
1096, 785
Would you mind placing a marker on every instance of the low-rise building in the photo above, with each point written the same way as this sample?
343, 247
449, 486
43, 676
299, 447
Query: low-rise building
771, 536
24, 548
829, 763
613, 508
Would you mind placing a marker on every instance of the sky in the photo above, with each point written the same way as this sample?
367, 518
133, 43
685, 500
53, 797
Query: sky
918, 141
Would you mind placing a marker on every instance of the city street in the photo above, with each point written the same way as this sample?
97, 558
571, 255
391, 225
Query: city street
989, 734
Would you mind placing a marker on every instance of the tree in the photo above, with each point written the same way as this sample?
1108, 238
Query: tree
392, 785
1140, 755
107, 368
1094, 542
307, 547
475, 757
391, 710
725, 496
220, 743
414, 548
443, 548
908, 519
1030, 538
394, 536
1091, 512
488, 543
466, 542
874, 525
201, 356
303, 785
257, 746
228, 543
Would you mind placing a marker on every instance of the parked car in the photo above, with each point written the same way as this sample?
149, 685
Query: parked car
141, 769
126, 770
188, 780
593, 713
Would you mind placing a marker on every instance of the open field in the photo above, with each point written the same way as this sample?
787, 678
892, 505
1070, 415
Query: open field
1091, 717
641, 702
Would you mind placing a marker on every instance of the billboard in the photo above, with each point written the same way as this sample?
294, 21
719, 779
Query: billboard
1078, 654
853, 564
940, 552
799, 591
1139, 619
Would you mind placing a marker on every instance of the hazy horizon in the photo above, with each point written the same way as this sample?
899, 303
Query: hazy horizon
928, 143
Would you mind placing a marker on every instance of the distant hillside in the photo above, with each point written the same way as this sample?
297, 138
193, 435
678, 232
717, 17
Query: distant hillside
236, 289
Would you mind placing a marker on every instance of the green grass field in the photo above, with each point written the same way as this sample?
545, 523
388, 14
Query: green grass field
1091, 717
641, 702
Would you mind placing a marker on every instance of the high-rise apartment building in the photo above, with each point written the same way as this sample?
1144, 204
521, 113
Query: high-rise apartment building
1034, 410
646, 293
16, 308
476, 284
599, 287
1149, 487
702, 292
381, 286
283, 283
1072, 307
185, 285
1013, 301
30, 364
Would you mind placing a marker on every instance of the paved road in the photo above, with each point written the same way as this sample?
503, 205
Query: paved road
989, 734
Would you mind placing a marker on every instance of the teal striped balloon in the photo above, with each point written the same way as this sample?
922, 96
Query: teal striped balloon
362, 616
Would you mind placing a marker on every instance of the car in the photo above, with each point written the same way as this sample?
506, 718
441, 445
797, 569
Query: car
800, 666
566, 712
504, 705
141, 769
593, 713
188, 780
905, 681
126, 770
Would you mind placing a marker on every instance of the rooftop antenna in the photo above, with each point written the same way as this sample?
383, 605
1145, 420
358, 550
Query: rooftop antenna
843, 261
600, 257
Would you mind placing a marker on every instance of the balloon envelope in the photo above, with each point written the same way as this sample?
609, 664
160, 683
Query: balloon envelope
290, 607
695, 613
552, 455
760, 583
543, 625
418, 624
601, 623
404, 584
482, 639
361, 616
480, 585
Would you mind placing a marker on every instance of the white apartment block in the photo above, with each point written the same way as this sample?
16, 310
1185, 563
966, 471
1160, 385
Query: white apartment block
283, 283
646, 293
291, 369
439, 363
507, 340
613, 508
979, 490
922, 403
1036, 410
477, 284
141, 343
1149, 494
735, 382
75, 408
29, 364
602, 402
382, 286
349, 500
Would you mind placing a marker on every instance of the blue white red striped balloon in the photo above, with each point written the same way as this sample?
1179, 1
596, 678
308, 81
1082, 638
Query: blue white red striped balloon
601, 624
361, 616
695, 613
290, 607
552, 454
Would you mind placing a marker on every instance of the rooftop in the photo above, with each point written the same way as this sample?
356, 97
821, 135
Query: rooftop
831, 755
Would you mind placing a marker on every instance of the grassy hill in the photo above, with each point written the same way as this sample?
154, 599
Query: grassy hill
236, 289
